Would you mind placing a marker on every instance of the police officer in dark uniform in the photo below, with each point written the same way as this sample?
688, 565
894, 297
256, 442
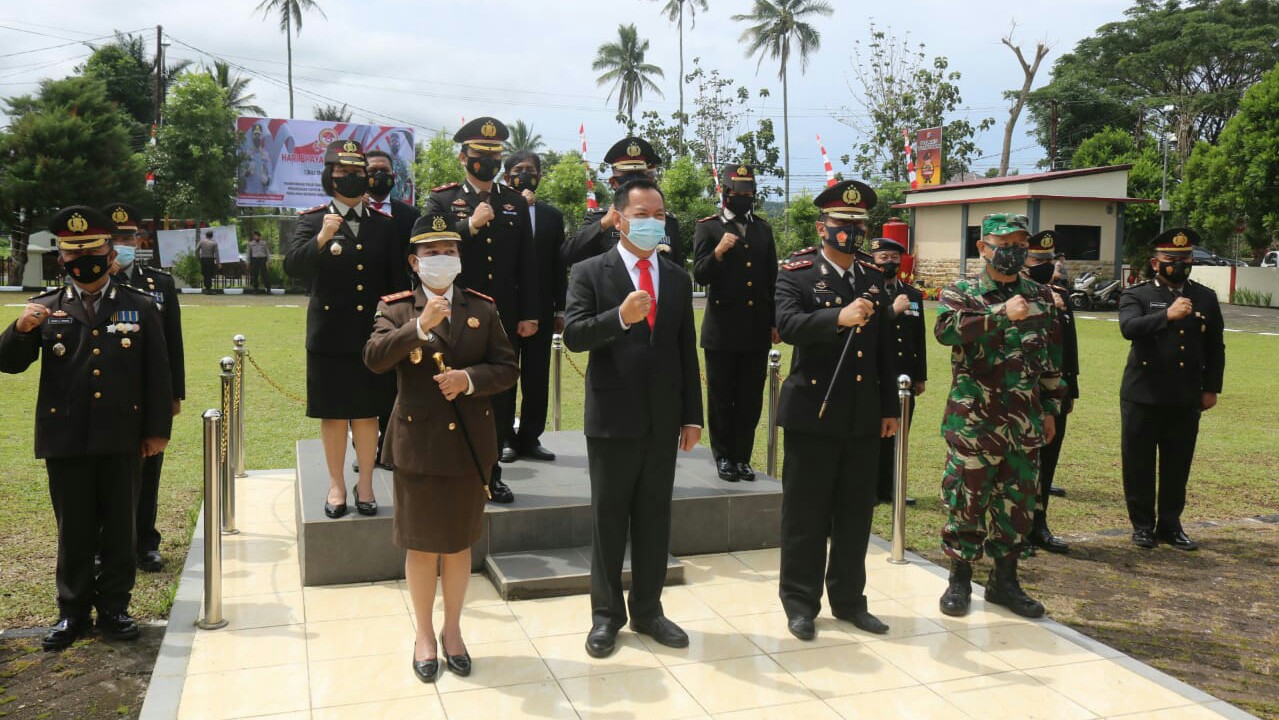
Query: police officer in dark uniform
735, 258
831, 306
1173, 375
105, 402
1040, 268
906, 318
631, 158
159, 285
499, 258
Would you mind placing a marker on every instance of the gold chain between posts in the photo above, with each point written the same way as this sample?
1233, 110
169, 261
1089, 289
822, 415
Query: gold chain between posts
276, 386
226, 429
572, 364
239, 380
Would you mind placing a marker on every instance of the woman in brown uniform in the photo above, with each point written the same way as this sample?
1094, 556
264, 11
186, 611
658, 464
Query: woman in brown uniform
441, 438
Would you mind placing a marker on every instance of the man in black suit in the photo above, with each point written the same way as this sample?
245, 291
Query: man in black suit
633, 311
1173, 376
523, 173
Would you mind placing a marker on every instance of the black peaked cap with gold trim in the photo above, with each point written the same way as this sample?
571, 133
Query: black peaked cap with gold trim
631, 154
883, 243
432, 228
80, 227
1175, 240
345, 152
1043, 244
847, 200
123, 216
485, 134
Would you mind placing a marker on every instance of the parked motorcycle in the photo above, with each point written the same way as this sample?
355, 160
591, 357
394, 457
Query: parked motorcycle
1091, 293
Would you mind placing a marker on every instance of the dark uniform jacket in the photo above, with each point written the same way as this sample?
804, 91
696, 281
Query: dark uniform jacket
638, 381
403, 215
909, 332
499, 260
548, 238
740, 306
1172, 362
810, 295
590, 240
344, 288
103, 388
423, 436
159, 285
1069, 347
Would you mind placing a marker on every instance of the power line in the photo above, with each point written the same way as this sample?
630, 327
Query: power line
54, 47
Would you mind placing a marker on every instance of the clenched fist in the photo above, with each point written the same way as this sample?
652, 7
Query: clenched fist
609, 221
1180, 308
482, 215
726, 243
32, 317
901, 304
856, 313
332, 223
1017, 308
636, 306
436, 309
453, 383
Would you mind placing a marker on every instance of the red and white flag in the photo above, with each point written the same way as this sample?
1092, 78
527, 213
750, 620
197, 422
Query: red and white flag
719, 189
830, 169
910, 162
591, 202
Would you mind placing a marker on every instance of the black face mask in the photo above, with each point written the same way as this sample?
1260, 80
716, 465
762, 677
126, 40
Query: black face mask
351, 186
380, 183
483, 169
88, 269
890, 270
845, 238
1042, 274
527, 180
1175, 272
739, 204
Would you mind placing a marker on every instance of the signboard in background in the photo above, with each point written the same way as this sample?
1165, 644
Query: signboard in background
928, 157
174, 243
281, 160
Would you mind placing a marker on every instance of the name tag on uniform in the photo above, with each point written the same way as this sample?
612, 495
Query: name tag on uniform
1158, 305
158, 297
59, 321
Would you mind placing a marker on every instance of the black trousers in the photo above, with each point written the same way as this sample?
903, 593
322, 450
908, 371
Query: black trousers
1048, 456
208, 268
504, 408
258, 274
1170, 432
535, 379
631, 482
888, 461
148, 504
828, 491
735, 399
94, 498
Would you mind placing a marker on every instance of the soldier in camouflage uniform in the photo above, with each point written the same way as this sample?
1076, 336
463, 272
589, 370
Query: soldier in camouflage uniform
1006, 361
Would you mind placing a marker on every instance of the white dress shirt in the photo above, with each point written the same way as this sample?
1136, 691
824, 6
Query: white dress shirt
630, 259
429, 335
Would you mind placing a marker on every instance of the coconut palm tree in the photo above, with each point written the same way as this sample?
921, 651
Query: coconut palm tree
333, 113
674, 11
236, 87
623, 65
776, 28
523, 138
290, 13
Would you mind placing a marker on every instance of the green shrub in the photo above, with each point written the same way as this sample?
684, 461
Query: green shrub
187, 267
1253, 298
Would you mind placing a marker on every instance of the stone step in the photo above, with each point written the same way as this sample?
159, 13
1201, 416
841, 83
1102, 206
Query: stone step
561, 571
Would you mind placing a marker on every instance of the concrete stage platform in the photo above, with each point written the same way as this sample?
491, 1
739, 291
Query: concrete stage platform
551, 512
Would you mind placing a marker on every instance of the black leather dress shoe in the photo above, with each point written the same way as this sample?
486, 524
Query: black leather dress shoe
537, 452
1042, 537
67, 631
865, 621
802, 627
362, 507
601, 641
150, 561
118, 625
1143, 538
662, 630
459, 665
1057, 491
508, 454
386, 466
1178, 540
426, 670
334, 511
745, 472
355, 466
727, 470
500, 492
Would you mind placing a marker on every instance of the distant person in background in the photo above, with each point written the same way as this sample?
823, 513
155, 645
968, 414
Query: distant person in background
207, 251
259, 253
1061, 273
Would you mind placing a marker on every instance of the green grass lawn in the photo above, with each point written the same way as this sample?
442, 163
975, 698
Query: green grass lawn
1234, 475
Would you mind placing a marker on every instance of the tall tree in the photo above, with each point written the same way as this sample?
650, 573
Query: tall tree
523, 138
332, 113
564, 186
674, 11
623, 65
130, 74
238, 97
1116, 146
69, 144
195, 157
687, 186
290, 14
436, 163
776, 28
1028, 71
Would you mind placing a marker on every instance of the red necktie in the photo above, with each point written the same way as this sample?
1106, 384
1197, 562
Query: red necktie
377, 205
646, 284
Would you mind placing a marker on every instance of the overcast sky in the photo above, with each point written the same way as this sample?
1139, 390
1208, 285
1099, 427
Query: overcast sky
427, 63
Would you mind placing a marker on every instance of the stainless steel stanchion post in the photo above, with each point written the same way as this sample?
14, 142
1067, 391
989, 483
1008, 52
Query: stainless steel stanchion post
774, 381
226, 449
557, 379
238, 401
212, 619
899, 472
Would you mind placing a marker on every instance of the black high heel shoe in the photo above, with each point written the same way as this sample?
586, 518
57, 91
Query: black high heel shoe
363, 508
459, 665
335, 511
426, 670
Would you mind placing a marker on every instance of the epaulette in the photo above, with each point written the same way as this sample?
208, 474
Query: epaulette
708, 217
804, 251
132, 289
156, 270
445, 186
395, 297
477, 293
317, 208
868, 266
797, 264
47, 293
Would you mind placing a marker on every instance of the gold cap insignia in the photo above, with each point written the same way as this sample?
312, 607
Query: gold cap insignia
1046, 242
77, 223
874, 245
633, 150
743, 171
119, 215
439, 224
489, 130
1180, 240
351, 147
852, 196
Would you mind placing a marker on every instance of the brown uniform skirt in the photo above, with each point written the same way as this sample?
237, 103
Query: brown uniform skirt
437, 514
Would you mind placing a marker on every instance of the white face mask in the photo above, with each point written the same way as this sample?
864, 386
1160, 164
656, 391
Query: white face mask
438, 271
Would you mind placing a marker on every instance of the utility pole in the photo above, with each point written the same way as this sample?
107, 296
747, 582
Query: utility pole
1052, 134
159, 73
1164, 206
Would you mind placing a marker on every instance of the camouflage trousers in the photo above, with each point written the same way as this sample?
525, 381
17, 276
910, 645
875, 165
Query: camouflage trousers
990, 501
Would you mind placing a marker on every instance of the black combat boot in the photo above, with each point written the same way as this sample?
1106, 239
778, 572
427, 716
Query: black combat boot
1002, 588
959, 593
1042, 537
